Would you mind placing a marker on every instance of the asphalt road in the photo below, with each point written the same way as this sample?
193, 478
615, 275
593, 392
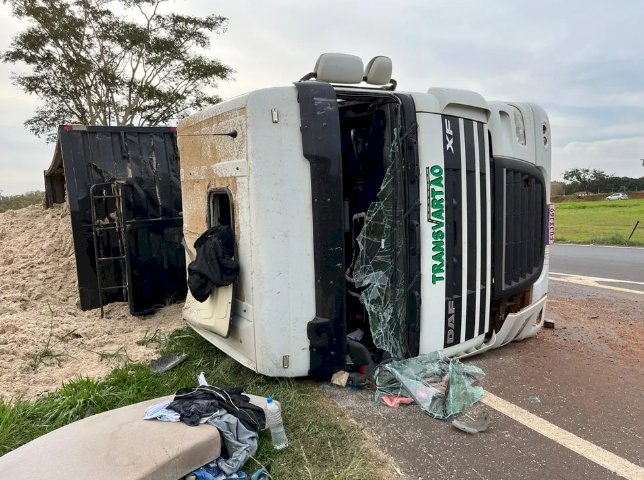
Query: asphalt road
593, 261
583, 377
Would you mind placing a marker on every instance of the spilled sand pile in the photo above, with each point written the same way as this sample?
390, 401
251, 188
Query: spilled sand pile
45, 339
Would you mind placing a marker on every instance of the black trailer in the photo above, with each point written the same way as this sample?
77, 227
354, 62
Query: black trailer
124, 192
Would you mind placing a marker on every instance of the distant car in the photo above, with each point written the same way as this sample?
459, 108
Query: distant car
617, 196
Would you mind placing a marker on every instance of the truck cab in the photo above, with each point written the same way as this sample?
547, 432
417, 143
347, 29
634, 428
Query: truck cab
368, 222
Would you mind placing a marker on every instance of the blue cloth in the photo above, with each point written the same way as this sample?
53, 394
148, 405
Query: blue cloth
261, 474
205, 474
213, 472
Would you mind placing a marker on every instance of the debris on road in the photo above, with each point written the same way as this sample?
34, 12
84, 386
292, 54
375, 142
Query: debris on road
395, 401
340, 378
358, 380
473, 425
442, 387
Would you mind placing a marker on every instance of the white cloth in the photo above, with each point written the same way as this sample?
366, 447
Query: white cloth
201, 379
160, 411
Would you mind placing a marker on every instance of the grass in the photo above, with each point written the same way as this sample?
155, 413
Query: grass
603, 223
323, 443
47, 355
118, 356
158, 339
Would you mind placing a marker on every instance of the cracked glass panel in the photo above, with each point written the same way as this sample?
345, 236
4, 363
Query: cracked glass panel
442, 387
378, 269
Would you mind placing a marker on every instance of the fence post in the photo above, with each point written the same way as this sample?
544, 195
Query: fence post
634, 228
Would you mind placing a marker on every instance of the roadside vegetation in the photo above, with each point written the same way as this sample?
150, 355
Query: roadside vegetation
14, 202
585, 181
323, 442
600, 222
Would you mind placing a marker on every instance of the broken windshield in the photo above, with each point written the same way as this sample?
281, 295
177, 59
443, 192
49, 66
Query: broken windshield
378, 268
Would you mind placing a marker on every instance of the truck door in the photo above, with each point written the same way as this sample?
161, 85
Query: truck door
215, 314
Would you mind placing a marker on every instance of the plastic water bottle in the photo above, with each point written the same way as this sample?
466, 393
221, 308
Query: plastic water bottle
274, 422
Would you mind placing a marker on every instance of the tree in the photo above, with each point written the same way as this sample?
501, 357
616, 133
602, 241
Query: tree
93, 66
600, 181
578, 177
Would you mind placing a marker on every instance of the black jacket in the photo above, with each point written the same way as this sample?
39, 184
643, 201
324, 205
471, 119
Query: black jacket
215, 265
204, 400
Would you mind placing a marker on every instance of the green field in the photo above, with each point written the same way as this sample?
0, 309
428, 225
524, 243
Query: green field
604, 223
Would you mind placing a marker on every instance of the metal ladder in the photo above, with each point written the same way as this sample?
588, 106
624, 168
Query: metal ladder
103, 192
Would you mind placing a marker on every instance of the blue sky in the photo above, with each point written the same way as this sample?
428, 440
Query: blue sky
581, 60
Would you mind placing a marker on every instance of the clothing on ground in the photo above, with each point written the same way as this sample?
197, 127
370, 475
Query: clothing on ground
240, 442
213, 472
202, 401
160, 411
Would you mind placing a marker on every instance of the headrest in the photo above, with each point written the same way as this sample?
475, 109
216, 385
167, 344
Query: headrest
338, 68
378, 71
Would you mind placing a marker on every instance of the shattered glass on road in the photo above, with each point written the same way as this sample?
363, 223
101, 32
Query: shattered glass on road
442, 387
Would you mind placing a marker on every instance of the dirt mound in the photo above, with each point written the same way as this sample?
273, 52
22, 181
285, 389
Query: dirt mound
45, 339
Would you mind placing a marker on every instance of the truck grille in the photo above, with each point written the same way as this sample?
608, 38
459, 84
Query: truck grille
520, 213
495, 228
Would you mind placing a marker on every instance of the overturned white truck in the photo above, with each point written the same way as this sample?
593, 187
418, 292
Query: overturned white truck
368, 221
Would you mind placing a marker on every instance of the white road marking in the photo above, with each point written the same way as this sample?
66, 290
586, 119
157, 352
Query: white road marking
593, 282
598, 246
586, 449
597, 279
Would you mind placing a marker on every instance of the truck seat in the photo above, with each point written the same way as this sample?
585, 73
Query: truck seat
117, 444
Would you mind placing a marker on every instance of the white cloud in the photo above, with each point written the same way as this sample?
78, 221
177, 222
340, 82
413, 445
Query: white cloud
621, 157
584, 65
